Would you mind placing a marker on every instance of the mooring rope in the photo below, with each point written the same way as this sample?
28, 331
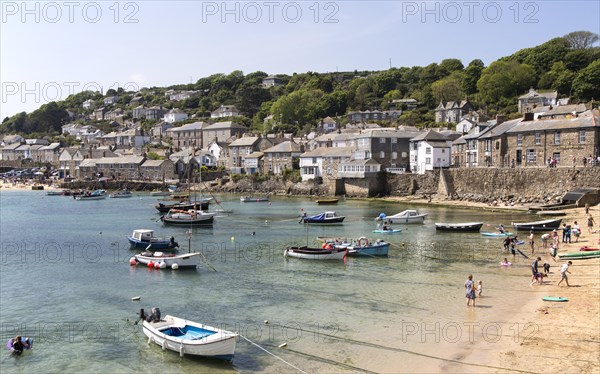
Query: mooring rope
272, 354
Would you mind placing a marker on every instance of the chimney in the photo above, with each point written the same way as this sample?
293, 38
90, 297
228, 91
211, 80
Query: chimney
500, 118
528, 116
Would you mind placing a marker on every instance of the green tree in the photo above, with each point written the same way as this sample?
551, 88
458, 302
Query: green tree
471, 76
504, 79
299, 107
448, 88
581, 39
451, 65
586, 85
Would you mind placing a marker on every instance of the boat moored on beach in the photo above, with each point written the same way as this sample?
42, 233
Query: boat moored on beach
459, 227
545, 225
190, 338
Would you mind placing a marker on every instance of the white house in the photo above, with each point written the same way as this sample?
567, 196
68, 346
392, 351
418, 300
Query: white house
225, 111
88, 104
323, 162
175, 115
429, 151
109, 100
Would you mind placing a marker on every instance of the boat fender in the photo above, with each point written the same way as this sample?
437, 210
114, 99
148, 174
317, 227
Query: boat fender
132, 261
151, 264
164, 344
163, 265
181, 351
175, 266
157, 265
282, 345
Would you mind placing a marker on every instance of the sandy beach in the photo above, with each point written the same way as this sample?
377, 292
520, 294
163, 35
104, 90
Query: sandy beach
548, 337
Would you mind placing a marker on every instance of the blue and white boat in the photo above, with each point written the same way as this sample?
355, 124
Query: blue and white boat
94, 195
324, 218
191, 338
363, 247
145, 239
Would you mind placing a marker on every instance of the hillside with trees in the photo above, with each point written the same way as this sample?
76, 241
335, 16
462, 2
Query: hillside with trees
569, 65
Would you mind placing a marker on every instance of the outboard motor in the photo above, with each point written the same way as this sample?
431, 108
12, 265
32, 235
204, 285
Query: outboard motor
154, 316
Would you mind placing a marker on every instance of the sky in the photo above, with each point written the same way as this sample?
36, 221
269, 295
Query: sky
51, 49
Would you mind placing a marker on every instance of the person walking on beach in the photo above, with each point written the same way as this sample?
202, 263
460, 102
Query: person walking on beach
563, 272
479, 288
531, 241
590, 224
470, 290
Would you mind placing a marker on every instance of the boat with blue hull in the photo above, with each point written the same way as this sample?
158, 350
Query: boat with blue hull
324, 218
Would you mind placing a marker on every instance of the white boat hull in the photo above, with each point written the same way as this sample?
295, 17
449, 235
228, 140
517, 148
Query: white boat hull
187, 260
220, 344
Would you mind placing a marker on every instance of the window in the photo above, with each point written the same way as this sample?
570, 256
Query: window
403, 154
497, 145
531, 156
394, 140
443, 150
382, 140
314, 160
557, 138
428, 150
556, 156
582, 137
428, 161
519, 139
382, 154
394, 155
538, 138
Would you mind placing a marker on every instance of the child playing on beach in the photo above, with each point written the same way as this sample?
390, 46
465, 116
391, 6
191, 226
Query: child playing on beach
563, 272
479, 288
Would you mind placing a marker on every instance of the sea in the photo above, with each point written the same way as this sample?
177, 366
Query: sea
66, 282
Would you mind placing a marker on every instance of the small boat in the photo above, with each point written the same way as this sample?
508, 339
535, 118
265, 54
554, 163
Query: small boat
365, 248
386, 231
120, 194
160, 193
309, 253
37, 187
190, 217
579, 255
459, 227
164, 206
588, 249
497, 234
554, 298
406, 216
326, 201
545, 225
191, 338
324, 218
56, 193
254, 199
144, 238
94, 195
166, 260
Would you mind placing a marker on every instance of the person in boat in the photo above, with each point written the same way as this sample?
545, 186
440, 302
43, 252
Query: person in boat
18, 345
173, 242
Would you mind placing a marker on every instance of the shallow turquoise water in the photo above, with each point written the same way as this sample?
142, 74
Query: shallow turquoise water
65, 280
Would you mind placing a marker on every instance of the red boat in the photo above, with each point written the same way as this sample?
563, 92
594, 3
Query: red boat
587, 249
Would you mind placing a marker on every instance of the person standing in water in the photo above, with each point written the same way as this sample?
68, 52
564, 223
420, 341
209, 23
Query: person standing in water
470, 290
